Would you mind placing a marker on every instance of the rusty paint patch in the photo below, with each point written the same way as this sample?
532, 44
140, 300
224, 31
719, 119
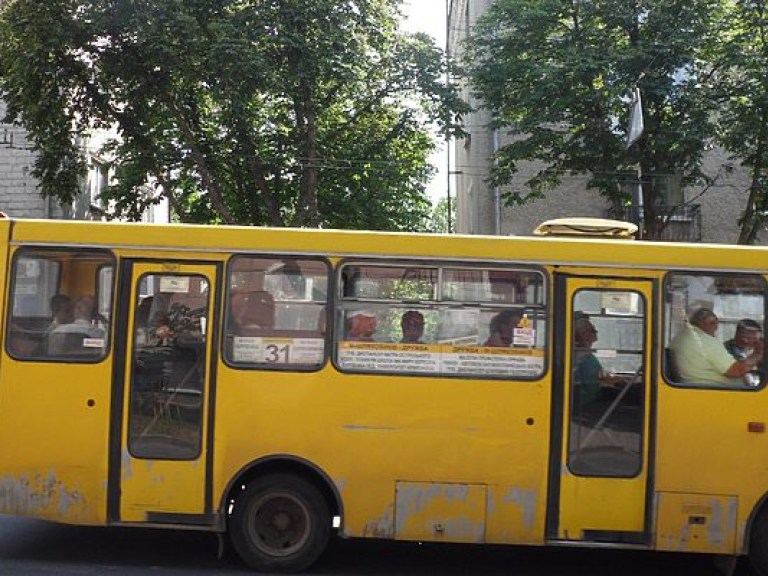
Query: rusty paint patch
23, 496
526, 501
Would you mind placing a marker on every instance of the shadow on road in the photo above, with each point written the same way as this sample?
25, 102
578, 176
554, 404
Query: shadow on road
23, 541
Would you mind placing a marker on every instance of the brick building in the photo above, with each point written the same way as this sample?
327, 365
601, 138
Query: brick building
19, 191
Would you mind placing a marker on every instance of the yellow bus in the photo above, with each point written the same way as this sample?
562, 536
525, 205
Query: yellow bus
284, 385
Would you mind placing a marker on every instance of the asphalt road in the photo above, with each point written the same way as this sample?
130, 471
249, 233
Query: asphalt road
32, 548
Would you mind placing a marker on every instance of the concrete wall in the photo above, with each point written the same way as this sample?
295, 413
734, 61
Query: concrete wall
19, 195
19, 190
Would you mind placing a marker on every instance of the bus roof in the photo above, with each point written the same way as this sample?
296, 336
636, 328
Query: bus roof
576, 250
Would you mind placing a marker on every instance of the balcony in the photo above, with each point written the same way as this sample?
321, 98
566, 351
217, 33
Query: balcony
673, 223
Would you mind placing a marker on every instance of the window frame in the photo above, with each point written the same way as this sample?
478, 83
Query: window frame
226, 355
666, 369
438, 304
23, 251
210, 303
645, 351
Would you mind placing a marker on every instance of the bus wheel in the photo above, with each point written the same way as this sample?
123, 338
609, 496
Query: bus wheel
280, 523
758, 544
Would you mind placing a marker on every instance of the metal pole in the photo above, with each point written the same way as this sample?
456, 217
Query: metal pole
447, 134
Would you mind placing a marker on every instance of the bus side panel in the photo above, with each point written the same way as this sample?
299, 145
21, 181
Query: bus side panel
54, 429
460, 460
710, 473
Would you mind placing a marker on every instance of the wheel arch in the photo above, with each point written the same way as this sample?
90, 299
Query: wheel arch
761, 507
284, 464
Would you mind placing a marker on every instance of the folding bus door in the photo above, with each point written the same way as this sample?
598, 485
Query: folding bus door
600, 481
161, 459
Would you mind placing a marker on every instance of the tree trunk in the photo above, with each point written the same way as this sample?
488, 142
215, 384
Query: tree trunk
757, 201
307, 213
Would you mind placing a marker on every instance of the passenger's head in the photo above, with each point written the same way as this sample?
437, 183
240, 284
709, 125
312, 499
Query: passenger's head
85, 308
748, 332
584, 332
361, 325
503, 325
705, 320
412, 323
61, 308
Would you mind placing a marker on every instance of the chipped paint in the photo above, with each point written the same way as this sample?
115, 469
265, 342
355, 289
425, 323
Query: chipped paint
526, 501
381, 527
340, 483
126, 470
23, 496
447, 512
697, 523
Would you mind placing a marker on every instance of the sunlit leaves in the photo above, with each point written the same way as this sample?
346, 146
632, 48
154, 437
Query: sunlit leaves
298, 112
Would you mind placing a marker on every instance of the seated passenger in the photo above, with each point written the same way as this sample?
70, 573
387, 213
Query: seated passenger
252, 313
71, 337
61, 311
700, 358
502, 328
748, 332
412, 324
23, 343
589, 374
361, 326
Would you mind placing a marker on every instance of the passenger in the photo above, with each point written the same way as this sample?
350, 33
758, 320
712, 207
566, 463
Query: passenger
412, 324
61, 311
22, 344
748, 332
84, 318
591, 378
361, 326
502, 328
72, 337
700, 358
252, 312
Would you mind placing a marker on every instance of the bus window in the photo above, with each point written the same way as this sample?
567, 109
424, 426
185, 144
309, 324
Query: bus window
276, 313
168, 376
415, 318
55, 312
713, 331
607, 400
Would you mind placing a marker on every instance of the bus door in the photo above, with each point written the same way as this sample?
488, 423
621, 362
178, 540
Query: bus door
600, 483
161, 468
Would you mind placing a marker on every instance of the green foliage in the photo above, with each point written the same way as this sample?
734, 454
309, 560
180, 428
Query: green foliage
297, 112
740, 87
556, 76
443, 217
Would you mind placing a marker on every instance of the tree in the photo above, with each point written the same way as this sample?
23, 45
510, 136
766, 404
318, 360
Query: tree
442, 214
556, 75
740, 87
290, 112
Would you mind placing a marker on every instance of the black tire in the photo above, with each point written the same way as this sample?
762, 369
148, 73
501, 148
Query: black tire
758, 544
280, 523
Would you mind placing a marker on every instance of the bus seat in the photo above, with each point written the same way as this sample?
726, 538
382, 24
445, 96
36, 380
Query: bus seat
670, 366
70, 343
253, 313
